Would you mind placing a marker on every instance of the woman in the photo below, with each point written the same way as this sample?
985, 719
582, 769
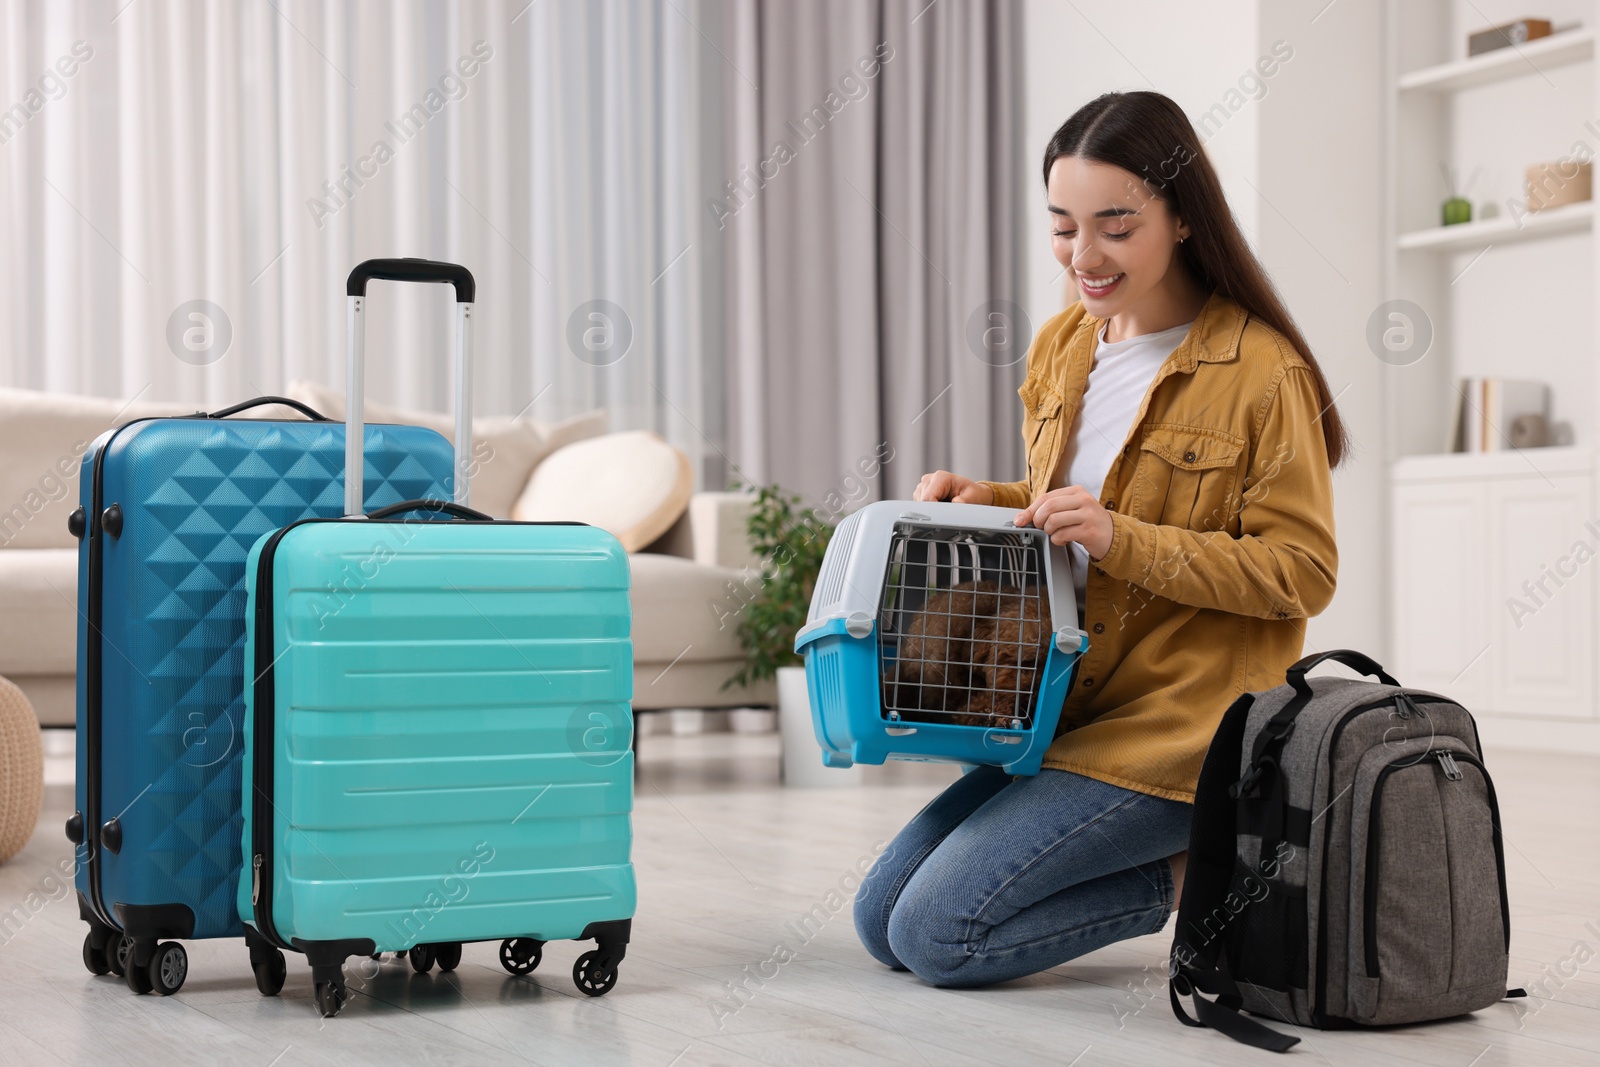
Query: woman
1180, 439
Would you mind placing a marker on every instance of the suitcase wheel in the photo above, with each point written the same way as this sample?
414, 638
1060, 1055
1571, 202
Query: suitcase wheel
117, 948
520, 955
137, 977
270, 974
168, 968
95, 958
591, 976
331, 997
421, 958
448, 955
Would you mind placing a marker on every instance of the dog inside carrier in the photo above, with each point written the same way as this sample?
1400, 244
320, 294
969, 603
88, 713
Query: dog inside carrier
964, 626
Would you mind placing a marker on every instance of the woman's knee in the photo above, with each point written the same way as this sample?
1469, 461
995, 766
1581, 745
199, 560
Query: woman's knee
929, 940
870, 911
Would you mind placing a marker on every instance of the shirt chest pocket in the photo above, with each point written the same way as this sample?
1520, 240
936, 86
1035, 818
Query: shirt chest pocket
1041, 418
1189, 477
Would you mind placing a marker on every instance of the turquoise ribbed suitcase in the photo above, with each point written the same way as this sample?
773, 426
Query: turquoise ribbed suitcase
439, 732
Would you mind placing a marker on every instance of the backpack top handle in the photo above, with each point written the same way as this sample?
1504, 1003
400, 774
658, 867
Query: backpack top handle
1356, 661
1270, 740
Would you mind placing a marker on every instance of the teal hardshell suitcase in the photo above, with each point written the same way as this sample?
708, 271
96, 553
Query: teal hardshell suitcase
439, 732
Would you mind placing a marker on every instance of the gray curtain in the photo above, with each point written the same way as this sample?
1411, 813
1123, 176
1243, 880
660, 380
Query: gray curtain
869, 233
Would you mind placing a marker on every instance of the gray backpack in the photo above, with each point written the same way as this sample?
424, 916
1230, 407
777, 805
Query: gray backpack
1345, 864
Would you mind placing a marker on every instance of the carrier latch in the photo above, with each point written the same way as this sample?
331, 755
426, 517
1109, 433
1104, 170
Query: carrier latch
1070, 639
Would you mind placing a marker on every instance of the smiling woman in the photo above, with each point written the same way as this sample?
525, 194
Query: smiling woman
1157, 411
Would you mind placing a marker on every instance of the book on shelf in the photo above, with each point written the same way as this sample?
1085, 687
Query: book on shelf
1486, 408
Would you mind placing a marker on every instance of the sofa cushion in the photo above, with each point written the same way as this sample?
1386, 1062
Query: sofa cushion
39, 611
634, 485
506, 449
43, 437
682, 608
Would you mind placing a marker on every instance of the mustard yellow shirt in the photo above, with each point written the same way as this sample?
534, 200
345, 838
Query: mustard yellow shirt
1222, 540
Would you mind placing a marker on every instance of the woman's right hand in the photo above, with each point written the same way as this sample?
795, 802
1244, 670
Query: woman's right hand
943, 485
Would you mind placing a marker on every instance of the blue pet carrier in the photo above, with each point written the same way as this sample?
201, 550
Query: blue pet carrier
943, 632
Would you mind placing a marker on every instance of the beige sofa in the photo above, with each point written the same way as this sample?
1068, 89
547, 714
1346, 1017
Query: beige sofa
685, 584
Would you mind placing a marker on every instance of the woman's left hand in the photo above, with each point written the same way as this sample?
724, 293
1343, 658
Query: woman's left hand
1071, 514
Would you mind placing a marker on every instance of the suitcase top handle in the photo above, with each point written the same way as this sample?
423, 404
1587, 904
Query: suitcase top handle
412, 270
431, 505
404, 270
305, 409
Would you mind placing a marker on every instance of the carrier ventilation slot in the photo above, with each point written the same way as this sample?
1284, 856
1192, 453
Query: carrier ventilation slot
830, 582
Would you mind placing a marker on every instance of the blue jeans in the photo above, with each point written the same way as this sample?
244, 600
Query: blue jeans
998, 878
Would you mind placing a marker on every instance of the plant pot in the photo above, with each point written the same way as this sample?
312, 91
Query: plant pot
753, 720
802, 756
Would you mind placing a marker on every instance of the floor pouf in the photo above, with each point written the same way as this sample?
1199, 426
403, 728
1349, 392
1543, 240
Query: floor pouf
21, 770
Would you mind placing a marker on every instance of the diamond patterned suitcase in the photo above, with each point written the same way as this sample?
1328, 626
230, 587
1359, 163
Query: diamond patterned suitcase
169, 509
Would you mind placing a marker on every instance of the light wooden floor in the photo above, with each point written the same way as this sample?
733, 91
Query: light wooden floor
727, 860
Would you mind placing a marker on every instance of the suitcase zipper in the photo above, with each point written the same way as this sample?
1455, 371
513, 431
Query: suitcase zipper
262, 769
94, 539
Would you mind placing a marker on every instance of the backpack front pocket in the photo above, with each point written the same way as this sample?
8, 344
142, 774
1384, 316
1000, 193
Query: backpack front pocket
1427, 902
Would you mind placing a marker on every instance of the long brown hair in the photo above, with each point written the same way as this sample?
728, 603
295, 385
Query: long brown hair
1149, 136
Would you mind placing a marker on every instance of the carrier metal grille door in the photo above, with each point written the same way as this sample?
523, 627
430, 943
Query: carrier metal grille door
964, 625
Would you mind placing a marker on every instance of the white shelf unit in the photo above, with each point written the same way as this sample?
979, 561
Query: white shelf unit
1569, 46
1504, 229
1478, 609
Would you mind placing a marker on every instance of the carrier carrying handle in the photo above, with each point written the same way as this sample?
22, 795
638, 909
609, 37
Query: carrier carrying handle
455, 510
305, 409
404, 270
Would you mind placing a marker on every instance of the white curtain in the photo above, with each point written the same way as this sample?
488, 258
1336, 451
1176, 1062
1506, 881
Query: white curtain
157, 152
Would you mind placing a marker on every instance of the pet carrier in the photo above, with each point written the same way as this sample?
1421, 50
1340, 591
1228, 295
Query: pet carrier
940, 631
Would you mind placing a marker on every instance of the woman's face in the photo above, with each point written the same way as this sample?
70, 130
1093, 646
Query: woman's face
1116, 240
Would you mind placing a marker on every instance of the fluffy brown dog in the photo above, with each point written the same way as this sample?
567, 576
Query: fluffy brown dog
969, 657
1006, 658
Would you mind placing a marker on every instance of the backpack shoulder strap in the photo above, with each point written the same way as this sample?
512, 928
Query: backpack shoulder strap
1222, 1015
1213, 850
1212, 844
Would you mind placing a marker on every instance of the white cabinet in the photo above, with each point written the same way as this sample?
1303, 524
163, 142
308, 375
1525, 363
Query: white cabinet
1542, 576
1440, 603
1493, 596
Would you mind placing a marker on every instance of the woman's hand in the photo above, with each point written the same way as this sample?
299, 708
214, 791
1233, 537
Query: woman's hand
1071, 514
942, 485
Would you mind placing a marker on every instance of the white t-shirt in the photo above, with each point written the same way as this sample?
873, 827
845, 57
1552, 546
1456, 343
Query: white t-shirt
1118, 381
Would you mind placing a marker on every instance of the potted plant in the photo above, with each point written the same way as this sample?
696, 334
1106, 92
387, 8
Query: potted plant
790, 539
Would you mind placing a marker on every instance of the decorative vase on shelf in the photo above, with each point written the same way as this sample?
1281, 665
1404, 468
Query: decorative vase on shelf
1457, 210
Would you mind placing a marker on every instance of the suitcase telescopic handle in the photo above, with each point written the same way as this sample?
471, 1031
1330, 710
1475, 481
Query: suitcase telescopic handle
404, 270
